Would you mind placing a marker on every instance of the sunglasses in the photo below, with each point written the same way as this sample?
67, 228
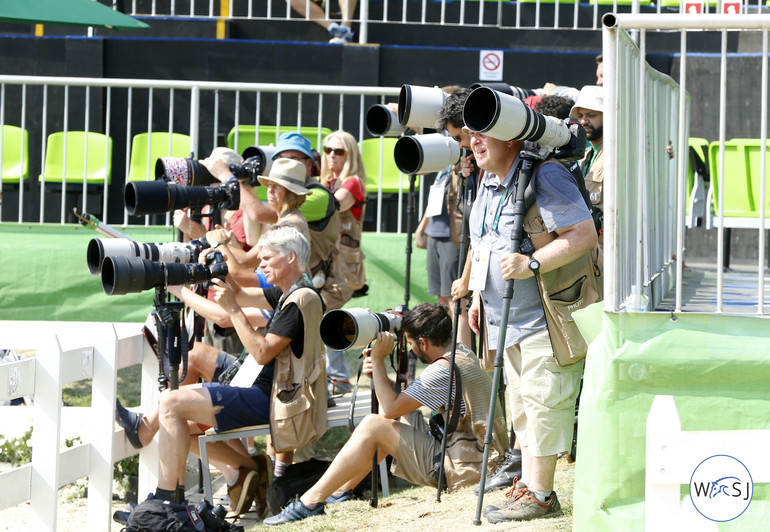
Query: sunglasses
337, 151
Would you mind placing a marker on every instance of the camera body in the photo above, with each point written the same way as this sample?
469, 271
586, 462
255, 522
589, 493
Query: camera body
249, 170
353, 328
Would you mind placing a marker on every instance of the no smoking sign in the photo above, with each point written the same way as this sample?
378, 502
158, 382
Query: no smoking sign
491, 65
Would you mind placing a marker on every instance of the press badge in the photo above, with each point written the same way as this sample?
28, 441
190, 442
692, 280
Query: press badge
435, 199
479, 268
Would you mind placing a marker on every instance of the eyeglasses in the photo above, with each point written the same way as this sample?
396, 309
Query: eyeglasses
337, 151
295, 158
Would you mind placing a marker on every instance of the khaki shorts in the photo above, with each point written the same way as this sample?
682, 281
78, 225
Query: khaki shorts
542, 395
418, 452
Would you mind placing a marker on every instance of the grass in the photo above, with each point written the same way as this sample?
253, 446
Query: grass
412, 508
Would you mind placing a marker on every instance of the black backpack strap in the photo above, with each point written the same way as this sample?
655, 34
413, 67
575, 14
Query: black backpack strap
457, 395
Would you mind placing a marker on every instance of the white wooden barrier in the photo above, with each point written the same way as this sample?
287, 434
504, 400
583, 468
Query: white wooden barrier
68, 352
673, 455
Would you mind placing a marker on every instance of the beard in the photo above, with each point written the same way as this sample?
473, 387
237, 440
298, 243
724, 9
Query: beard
595, 133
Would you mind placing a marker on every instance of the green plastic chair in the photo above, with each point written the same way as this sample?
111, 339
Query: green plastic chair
738, 196
696, 162
98, 168
158, 145
15, 154
391, 175
677, 3
752, 153
247, 136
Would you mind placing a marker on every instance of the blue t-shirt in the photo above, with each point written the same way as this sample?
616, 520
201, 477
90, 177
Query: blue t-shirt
560, 205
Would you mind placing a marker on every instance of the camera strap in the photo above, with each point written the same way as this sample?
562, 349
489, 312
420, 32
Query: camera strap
455, 383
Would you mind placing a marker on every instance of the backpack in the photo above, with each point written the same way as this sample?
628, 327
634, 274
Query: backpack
156, 515
296, 480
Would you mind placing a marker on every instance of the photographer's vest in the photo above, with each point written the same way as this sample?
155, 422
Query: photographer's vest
298, 399
465, 446
594, 174
349, 247
565, 290
323, 233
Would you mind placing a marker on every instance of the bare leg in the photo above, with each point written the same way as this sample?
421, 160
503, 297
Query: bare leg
375, 434
201, 363
314, 11
225, 457
348, 8
176, 408
538, 470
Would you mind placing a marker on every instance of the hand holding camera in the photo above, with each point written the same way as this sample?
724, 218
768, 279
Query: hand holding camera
224, 295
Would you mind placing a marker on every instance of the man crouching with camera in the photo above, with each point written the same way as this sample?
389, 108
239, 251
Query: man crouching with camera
428, 328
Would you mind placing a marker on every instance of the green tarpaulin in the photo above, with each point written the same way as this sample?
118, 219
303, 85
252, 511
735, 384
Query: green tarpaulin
717, 368
66, 12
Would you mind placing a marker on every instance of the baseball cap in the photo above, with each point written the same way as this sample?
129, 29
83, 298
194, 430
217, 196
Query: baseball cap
293, 141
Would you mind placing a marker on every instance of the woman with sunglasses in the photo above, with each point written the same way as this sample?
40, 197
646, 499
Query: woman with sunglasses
342, 172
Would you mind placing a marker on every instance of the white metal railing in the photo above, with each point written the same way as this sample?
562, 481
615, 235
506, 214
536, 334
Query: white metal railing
204, 110
645, 192
67, 352
530, 14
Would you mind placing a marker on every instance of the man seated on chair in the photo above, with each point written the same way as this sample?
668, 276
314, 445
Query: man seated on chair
291, 353
428, 327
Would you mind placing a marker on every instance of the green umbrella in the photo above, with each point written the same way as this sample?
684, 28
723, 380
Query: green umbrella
67, 12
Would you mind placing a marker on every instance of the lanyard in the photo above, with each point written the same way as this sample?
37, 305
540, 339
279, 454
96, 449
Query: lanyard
498, 212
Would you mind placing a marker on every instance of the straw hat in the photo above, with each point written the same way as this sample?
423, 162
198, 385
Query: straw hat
288, 173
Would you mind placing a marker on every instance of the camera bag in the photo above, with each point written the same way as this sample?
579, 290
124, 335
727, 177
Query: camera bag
157, 515
296, 480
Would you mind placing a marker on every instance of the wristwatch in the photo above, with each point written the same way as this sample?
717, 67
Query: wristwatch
215, 244
534, 265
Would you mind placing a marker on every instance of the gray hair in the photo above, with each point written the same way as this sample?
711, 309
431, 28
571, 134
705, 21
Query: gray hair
286, 239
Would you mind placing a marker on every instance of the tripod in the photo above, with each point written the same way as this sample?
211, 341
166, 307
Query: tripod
172, 341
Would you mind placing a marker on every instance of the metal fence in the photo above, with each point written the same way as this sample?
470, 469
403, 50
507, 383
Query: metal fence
120, 109
537, 14
647, 194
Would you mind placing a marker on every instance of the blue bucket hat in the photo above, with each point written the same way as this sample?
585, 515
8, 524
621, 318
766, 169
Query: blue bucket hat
293, 141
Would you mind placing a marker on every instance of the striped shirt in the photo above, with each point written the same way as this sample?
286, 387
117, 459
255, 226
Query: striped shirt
431, 387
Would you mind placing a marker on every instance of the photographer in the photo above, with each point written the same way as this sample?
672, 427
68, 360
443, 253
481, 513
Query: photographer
542, 392
589, 110
428, 328
289, 349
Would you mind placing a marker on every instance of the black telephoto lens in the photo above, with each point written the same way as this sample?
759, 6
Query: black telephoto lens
123, 275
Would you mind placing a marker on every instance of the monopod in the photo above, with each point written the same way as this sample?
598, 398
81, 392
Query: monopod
467, 200
523, 176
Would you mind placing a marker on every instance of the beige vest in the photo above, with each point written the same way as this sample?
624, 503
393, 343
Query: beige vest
465, 446
349, 249
565, 290
594, 178
298, 400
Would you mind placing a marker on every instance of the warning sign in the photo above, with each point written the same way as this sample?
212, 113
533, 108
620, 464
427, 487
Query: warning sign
693, 7
730, 7
491, 65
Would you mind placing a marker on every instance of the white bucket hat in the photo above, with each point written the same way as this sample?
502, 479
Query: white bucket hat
591, 97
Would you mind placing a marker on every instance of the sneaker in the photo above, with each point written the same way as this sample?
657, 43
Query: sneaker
342, 497
526, 507
510, 495
130, 422
338, 386
340, 34
294, 511
505, 474
241, 493
264, 478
